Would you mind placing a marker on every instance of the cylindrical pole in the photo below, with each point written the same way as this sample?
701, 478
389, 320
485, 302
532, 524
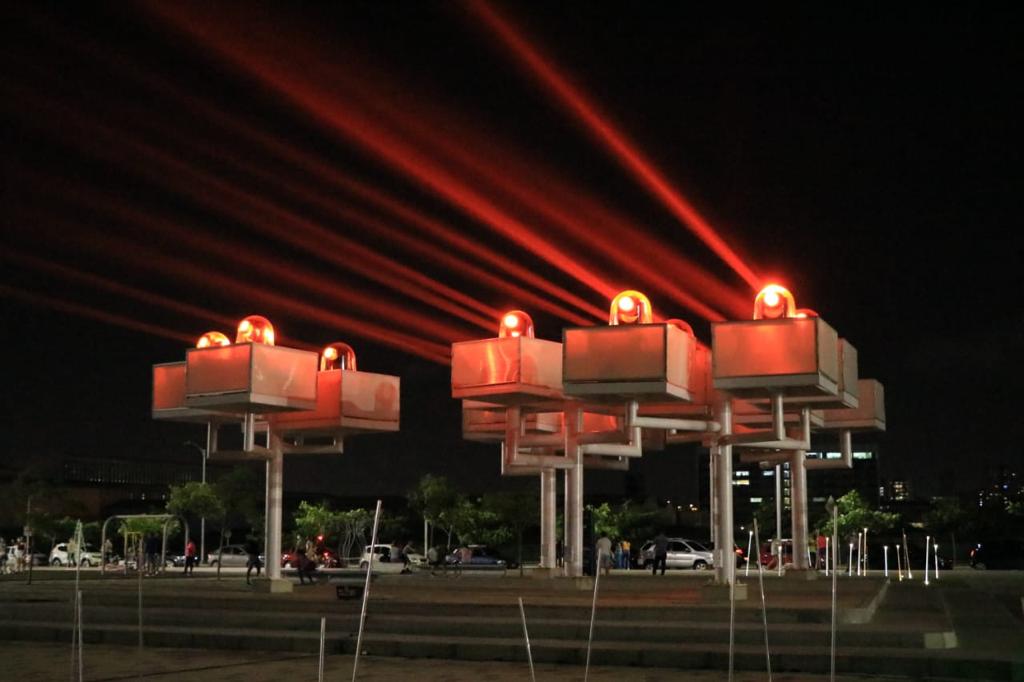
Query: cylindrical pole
323, 638
927, 542
858, 552
778, 500
526, 638
835, 574
81, 638
593, 611
849, 562
725, 562
548, 479
366, 592
865, 551
935, 553
828, 542
764, 614
885, 550
275, 486
906, 557
798, 508
575, 475
138, 570
899, 563
205, 453
750, 545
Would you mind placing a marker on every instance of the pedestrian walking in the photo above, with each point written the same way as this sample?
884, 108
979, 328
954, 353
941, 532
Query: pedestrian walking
306, 566
252, 549
190, 557
660, 553
153, 545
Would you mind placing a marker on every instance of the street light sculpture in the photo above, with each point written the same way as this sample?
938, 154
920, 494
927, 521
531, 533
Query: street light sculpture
511, 391
632, 364
782, 360
285, 389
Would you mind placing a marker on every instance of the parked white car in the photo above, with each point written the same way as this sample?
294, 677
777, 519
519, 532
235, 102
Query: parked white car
386, 557
88, 557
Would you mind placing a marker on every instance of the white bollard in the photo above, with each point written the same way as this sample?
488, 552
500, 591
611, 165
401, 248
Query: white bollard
750, 545
849, 563
885, 548
927, 542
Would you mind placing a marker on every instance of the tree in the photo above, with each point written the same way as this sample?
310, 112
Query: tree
946, 516
197, 500
353, 525
516, 512
314, 520
855, 515
437, 500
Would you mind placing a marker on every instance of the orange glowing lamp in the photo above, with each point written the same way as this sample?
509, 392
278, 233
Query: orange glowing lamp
774, 302
630, 307
515, 323
255, 329
685, 326
338, 355
212, 339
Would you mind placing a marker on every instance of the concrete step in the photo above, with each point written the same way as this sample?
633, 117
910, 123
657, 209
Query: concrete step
607, 627
685, 655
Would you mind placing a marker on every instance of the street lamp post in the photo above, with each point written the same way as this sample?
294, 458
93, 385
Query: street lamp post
204, 454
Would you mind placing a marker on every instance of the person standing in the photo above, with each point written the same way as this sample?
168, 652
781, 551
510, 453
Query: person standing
19, 555
558, 553
820, 556
252, 549
660, 553
604, 553
153, 545
3, 556
190, 557
627, 560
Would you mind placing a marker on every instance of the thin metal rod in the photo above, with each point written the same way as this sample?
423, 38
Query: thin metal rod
899, 563
81, 638
323, 637
750, 546
835, 577
366, 592
593, 611
927, 543
74, 635
906, 557
526, 637
732, 625
764, 611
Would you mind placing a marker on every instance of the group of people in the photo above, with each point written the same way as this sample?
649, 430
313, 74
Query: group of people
15, 558
614, 554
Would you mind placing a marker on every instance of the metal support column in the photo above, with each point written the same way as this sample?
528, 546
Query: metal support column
275, 493
547, 518
798, 508
725, 558
712, 492
574, 495
778, 501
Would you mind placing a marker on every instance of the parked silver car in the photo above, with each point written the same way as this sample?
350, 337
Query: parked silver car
233, 555
682, 553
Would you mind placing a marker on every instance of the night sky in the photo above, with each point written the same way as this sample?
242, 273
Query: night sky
869, 160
